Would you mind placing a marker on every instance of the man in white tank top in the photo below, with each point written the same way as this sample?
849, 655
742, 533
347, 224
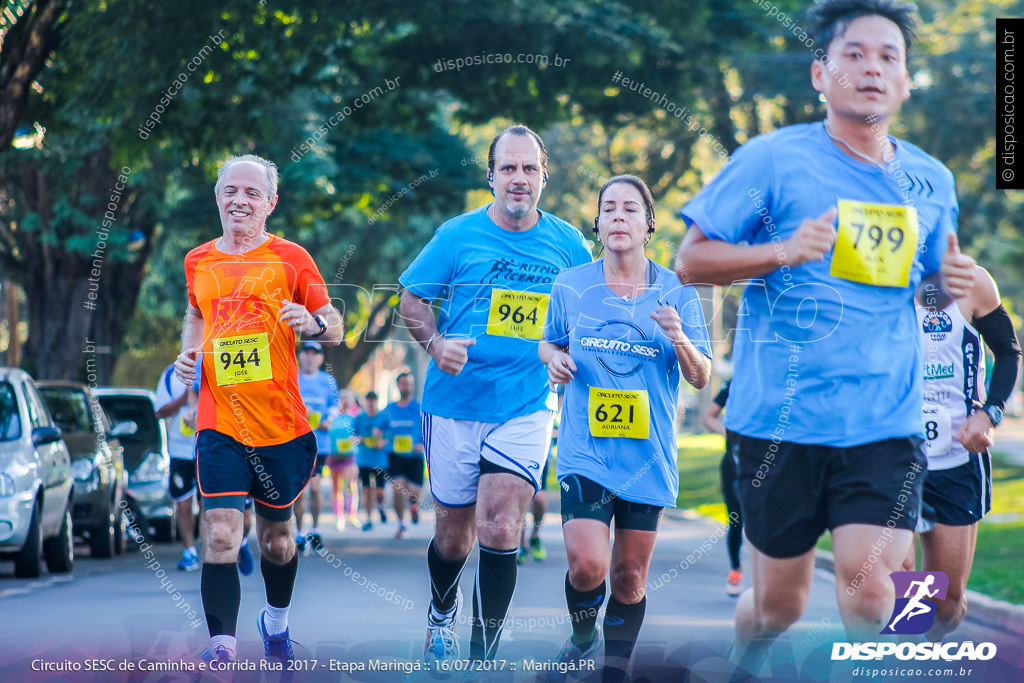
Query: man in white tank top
959, 421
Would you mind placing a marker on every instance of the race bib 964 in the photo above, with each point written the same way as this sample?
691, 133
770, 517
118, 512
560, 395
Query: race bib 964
517, 314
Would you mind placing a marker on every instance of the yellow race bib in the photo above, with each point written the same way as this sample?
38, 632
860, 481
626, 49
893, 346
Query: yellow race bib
875, 244
613, 413
517, 314
372, 441
344, 446
403, 443
242, 359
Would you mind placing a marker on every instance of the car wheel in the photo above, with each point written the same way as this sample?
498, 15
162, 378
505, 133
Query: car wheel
28, 563
101, 541
60, 550
163, 530
120, 534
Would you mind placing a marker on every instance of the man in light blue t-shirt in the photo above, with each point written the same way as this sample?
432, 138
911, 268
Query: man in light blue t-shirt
832, 224
487, 408
319, 391
404, 435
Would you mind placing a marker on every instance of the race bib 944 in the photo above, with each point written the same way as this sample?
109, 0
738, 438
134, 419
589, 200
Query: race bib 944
242, 359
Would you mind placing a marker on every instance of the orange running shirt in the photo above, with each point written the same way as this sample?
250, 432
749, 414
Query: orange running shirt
250, 386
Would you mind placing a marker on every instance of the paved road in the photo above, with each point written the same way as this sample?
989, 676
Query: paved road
363, 603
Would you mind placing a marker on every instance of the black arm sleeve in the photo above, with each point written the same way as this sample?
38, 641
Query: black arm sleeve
997, 331
721, 397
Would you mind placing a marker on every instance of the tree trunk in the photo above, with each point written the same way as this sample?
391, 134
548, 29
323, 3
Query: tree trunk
24, 48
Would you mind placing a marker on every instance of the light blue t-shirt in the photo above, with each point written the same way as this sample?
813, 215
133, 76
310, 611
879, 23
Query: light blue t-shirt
468, 257
320, 394
616, 345
405, 428
364, 426
819, 359
342, 427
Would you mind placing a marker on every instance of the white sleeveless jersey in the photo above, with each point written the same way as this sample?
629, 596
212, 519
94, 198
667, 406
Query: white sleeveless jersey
954, 378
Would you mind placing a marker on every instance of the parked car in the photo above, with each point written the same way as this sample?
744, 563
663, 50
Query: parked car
145, 457
97, 464
36, 490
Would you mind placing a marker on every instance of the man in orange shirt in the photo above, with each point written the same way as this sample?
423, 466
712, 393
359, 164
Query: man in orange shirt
250, 292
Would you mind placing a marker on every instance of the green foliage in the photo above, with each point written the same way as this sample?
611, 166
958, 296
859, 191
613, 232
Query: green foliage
997, 561
699, 476
357, 101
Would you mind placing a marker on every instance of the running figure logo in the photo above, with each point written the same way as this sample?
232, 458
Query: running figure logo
914, 613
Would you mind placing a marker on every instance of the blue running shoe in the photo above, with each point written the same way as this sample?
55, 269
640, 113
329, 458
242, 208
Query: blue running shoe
246, 562
277, 646
189, 561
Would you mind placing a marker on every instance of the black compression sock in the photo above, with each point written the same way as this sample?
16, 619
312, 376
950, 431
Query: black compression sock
583, 608
279, 580
444, 578
621, 627
734, 538
221, 592
491, 598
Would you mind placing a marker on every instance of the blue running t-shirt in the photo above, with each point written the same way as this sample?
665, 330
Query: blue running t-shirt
625, 442
320, 394
493, 285
824, 354
405, 428
371, 454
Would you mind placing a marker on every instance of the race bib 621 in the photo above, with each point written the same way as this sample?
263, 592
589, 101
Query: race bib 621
613, 413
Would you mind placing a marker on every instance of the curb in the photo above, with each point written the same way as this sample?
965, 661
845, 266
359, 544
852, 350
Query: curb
981, 609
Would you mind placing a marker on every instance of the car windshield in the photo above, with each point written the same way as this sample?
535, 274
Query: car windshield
10, 423
136, 409
69, 408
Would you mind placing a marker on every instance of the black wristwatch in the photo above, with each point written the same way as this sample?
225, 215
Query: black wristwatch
321, 324
994, 414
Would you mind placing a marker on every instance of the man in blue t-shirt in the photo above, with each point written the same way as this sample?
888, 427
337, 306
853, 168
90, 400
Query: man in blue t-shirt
405, 451
372, 458
487, 408
832, 225
319, 392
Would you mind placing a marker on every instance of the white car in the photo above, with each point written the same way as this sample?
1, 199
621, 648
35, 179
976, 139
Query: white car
36, 486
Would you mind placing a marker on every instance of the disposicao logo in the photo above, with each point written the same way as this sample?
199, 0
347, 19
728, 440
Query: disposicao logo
914, 613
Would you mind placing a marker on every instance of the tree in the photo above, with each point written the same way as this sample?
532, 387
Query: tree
156, 87
29, 32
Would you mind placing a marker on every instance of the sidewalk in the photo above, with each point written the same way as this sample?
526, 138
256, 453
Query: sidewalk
1009, 439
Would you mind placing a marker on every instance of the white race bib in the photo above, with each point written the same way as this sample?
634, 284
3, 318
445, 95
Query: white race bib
938, 430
